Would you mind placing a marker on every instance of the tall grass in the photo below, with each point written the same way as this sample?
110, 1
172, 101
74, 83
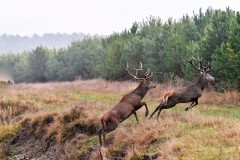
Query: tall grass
179, 136
8, 131
6, 115
10, 109
49, 114
103, 86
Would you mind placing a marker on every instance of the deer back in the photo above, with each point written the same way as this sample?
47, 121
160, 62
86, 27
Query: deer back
186, 94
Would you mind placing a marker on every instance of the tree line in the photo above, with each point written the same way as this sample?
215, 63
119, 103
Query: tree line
213, 35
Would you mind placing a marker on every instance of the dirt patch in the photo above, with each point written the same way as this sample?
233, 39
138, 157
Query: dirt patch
63, 135
54, 136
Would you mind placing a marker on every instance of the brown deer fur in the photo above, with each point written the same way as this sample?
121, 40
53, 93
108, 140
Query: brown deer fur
127, 106
190, 93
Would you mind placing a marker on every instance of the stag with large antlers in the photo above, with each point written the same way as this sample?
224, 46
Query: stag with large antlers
190, 93
129, 103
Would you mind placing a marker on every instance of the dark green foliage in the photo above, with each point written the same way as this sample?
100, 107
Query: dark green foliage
161, 46
227, 61
37, 64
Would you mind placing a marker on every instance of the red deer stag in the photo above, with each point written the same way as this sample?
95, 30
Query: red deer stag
128, 105
190, 93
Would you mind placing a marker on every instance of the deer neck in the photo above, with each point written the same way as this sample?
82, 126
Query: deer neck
140, 90
201, 83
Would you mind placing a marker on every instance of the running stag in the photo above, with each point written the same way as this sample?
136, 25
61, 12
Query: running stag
129, 104
190, 93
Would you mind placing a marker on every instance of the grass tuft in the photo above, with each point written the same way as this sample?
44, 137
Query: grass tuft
9, 131
61, 126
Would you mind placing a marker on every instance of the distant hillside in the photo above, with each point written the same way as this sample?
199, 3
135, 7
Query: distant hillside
16, 43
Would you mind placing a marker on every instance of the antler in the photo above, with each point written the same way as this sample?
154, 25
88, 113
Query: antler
139, 69
147, 74
201, 67
190, 61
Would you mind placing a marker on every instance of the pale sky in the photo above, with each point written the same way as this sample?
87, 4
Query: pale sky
26, 17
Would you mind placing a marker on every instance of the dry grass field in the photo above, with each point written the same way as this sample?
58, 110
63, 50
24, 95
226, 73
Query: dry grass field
61, 120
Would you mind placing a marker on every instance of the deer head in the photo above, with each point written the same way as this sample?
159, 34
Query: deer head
204, 71
145, 80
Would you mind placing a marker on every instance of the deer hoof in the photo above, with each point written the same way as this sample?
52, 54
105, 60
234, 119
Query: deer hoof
186, 109
146, 114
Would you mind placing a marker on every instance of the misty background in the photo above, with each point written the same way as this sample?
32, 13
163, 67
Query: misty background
27, 24
17, 43
42, 41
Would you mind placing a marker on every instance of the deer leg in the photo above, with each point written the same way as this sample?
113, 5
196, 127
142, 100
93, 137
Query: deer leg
147, 111
154, 112
100, 153
140, 105
159, 111
110, 126
100, 132
192, 105
158, 107
135, 114
104, 137
196, 103
187, 108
